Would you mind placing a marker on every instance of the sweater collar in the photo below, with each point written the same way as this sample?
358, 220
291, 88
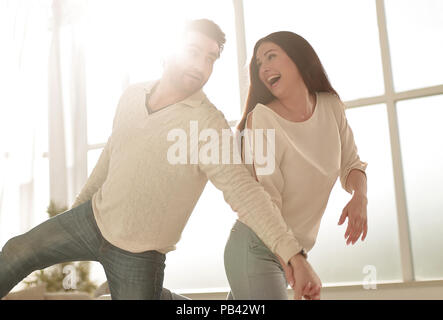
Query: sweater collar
194, 100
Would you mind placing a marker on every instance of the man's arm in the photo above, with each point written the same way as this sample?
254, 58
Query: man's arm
100, 171
248, 198
96, 179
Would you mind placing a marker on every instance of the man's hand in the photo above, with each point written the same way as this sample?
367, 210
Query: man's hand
302, 278
355, 210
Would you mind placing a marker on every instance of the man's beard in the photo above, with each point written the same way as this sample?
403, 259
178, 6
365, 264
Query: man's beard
188, 82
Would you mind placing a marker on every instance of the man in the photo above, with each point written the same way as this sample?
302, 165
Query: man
137, 201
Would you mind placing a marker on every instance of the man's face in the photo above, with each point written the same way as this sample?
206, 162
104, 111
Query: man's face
191, 67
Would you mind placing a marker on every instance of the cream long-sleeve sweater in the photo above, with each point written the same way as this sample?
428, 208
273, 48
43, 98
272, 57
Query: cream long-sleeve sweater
142, 202
309, 157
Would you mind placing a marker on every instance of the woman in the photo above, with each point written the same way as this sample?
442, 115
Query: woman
314, 145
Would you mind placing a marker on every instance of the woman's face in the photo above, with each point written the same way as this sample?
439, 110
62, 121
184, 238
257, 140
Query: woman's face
276, 70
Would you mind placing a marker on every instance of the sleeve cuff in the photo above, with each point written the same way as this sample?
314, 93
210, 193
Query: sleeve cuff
288, 248
361, 166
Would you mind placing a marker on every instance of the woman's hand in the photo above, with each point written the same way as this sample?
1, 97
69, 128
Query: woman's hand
306, 282
355, 210
302, 278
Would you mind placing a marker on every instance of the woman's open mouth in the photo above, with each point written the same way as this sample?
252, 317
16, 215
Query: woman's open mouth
273, 80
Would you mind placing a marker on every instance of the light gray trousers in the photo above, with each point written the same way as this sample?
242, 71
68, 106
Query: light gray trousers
253, 271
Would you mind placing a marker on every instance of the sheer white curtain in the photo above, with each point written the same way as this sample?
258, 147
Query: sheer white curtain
24, 39
42, 95
67, 102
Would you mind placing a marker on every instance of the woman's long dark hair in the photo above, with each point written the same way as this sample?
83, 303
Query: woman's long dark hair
304, 57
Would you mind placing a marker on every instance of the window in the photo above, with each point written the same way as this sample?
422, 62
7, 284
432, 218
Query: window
413, 28
343, 34
332, 259
422, 152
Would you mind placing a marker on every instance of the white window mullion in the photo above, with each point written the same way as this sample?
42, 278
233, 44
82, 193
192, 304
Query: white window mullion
419, 93
400, 194
396, 96
96, 146
241, 52
365, 102
79, 116
58, 179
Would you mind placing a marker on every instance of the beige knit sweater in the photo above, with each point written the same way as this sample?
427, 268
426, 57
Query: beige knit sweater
142, 202
309, 157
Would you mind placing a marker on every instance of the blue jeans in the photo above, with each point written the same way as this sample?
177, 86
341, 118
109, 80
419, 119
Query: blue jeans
253, 271
74, 236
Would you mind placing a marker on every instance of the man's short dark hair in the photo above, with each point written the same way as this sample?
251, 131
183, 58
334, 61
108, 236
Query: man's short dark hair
208, 28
